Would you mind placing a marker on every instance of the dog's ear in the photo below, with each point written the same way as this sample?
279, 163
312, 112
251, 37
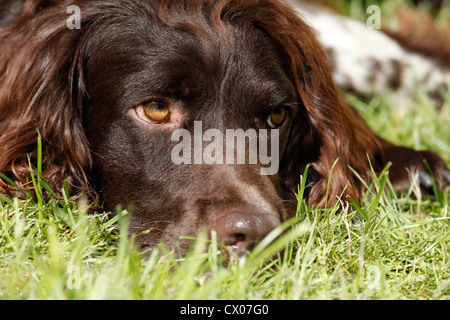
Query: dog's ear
328, 133
41, 93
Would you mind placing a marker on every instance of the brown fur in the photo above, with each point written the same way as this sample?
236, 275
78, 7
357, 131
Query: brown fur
418, 32
227, 63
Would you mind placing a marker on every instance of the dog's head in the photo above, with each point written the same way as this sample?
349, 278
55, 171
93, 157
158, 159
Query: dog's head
196, 113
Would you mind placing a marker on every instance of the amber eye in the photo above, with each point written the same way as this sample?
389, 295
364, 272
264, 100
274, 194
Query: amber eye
156, 112
277, 117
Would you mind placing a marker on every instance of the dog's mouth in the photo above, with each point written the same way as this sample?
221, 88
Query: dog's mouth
236, 231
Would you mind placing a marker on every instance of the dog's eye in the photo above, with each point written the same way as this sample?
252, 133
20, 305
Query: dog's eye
277, 117
156, 112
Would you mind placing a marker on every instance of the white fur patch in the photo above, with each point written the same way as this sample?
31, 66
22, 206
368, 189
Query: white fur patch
369, 61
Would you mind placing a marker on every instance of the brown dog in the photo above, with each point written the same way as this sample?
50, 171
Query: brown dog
107, 99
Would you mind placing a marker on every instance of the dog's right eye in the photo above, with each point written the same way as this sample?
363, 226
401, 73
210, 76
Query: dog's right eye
277, 117
156, 112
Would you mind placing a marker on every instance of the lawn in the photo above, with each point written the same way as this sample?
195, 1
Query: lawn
388, 246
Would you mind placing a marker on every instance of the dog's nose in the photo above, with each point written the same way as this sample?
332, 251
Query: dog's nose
242, 231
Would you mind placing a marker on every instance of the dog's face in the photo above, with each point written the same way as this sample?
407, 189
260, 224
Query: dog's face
151, 79
195, 114
140, 101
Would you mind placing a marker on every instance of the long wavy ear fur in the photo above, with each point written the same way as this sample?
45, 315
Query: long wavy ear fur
42, 92
327, 128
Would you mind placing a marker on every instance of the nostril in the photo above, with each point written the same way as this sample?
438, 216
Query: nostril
240, 237
239, 240
242, 231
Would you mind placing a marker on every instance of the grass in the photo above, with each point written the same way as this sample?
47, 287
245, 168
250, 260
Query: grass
387, 247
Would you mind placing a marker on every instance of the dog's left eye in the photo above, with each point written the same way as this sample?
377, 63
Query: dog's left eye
156, 112
277, 117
